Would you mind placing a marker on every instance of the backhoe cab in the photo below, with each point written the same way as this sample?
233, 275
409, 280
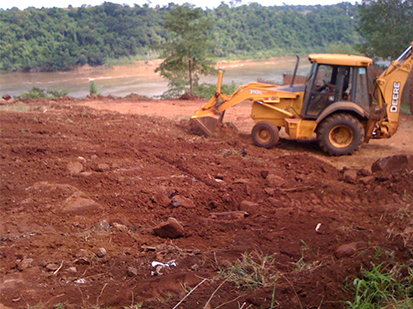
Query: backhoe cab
335, 103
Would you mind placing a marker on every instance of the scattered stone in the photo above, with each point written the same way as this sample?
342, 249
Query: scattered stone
350, 176
52, 267
219, 176
161, 199
234, 215
120, 227
179, 200
241, 181
74, 167
367, 180
275, 180
393, 164
26, 263
115, 165
365, 172
82, 261
377, 189
169, 229
101, 252
85, 174
269, 191
102, 167
264, 174
94, 157
104, 225
82, 160
72, 269
348, 250
78, 203
132, 271
81, 253
249, 207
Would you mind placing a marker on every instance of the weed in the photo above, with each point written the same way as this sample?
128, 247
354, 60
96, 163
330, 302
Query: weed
36, 93
166, 299
253, 270
383, 287
19, 107
93, 89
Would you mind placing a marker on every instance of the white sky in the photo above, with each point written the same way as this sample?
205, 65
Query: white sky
22, 4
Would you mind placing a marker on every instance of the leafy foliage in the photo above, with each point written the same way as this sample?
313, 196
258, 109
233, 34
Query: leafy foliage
383, 287
36, 93
186, 54
386, 26
53, 39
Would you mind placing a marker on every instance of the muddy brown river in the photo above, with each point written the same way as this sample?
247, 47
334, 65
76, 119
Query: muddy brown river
141, 78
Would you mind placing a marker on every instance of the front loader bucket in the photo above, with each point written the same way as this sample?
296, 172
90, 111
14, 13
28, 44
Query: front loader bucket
206, 124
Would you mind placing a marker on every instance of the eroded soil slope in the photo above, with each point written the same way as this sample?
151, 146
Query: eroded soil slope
83, 190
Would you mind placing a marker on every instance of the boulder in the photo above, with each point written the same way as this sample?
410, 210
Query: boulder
169, 229
391, 164
79, 203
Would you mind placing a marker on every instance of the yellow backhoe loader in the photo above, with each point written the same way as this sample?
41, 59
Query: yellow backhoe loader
335, 103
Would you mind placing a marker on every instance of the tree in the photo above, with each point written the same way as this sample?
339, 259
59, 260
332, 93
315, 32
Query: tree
386, 26
186, 52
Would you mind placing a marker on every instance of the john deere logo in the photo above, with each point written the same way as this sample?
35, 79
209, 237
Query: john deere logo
394, 108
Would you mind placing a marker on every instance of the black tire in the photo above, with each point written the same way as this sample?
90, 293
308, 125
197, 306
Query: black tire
265, 134
340, 134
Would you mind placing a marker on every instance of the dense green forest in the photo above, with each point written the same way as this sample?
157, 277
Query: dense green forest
52, 39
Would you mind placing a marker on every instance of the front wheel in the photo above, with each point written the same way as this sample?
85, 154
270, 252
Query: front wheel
340, 134
265, 134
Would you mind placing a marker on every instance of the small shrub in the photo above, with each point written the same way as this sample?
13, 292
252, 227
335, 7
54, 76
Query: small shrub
93, 89
206, 91
36, 93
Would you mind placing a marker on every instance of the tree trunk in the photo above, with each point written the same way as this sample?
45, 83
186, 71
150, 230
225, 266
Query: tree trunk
190, 76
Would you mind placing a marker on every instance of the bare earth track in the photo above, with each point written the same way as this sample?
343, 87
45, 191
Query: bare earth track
76, 179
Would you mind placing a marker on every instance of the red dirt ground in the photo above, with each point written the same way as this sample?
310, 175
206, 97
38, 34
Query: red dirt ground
139, 170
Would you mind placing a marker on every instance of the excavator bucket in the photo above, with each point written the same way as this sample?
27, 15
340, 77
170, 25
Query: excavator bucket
206, 124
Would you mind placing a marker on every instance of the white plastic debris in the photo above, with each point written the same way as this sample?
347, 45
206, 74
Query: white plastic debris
317, 227
159, 266
80, 281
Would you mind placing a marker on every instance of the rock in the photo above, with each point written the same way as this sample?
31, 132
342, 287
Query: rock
169, 229
26, 263
275, 180
7, 97
348, 250
85, 174
269, 191
350, 176
82, 261
132, 271
120, 227
52, 267
383, 176
72, 269
364, 172
104, 225
264, 174
241, 181
78, 203
391, 164
377, 189
249, 207
367, 180
81, 253
179, 200
102, 167
219, 176
101, 252
229, 215
74, 167
161, 199
94, 157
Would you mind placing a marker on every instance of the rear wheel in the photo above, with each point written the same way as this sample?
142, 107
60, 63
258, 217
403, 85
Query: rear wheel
265, 134
340, 134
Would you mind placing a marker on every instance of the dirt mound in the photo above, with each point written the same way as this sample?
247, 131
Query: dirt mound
83, 190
